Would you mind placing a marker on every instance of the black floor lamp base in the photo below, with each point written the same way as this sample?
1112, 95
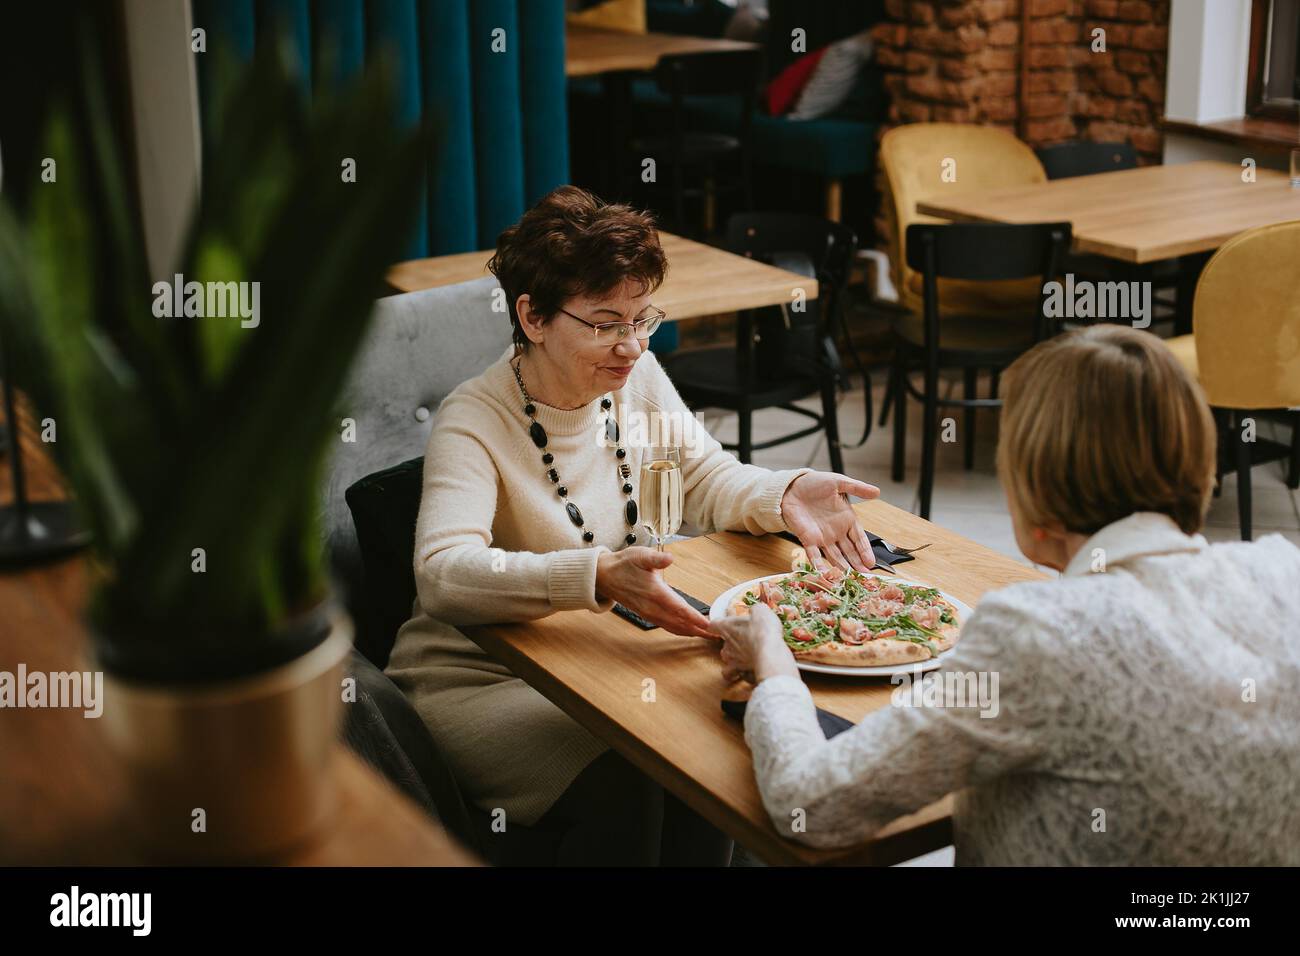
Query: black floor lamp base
52, 532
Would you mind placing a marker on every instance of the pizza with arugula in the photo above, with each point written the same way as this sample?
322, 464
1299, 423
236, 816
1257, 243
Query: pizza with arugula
855, 619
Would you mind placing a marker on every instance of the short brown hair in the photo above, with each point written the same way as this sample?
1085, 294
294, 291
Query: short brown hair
572, 243
1102, 422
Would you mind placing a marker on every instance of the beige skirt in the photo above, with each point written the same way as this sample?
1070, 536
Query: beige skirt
508, 747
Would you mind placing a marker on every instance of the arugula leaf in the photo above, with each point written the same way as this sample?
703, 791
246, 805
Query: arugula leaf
922, 635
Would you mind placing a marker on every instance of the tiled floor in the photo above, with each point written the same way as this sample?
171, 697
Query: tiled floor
971, 502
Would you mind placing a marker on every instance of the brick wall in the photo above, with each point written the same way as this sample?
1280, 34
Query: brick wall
959, 61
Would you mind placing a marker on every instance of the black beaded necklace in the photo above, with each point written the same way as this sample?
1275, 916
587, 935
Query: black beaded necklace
538, 434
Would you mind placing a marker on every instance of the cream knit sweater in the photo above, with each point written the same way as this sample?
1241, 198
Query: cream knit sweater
494, 544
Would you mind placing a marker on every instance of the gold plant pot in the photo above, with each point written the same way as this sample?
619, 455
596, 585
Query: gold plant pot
237, 771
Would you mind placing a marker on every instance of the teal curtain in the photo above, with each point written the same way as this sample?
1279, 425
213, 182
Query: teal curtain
545, 99
394, 28
453, 216
490, 73
341, 49
494, 49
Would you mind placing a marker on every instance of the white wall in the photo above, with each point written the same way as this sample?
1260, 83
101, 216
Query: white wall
1209, 49
1209, 46
165, 106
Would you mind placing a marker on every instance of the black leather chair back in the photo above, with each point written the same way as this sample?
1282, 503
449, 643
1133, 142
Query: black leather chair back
385, 506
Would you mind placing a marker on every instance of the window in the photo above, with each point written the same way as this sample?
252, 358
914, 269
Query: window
1273, 78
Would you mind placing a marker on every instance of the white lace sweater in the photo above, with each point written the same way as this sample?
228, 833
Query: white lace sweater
1147, 715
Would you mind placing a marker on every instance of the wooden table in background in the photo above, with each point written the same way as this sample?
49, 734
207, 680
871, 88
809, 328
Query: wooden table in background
63, 797
1137, 215
701, 280
593, 667
590, 51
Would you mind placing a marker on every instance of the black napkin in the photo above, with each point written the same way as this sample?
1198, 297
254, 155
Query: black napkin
884, 557
832, 724
701, 606
635, 618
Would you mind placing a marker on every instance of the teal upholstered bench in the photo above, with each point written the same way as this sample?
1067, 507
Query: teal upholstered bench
832, 148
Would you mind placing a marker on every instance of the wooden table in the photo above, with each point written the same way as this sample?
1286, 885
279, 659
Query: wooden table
701, 280
590, 51
616, 57
63, 798
595, 666
1137, 215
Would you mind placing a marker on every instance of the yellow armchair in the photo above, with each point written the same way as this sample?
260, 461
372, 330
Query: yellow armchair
1245, 342
922, 160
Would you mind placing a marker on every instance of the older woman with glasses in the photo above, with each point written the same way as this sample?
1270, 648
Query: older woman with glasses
530, 506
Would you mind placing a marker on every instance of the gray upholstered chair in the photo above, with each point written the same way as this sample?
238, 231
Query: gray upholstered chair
421, 345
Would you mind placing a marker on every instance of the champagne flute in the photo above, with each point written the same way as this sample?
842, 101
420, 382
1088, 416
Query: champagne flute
661, 493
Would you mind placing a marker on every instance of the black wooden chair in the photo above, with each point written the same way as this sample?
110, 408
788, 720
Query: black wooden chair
701, 163
782, 354
977, 252
1083, 158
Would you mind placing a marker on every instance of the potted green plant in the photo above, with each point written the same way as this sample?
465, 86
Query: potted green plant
193, 443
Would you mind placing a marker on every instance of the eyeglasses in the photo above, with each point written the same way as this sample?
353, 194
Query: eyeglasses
611, 333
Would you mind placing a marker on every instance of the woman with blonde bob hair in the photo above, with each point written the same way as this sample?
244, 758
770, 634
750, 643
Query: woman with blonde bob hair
1143, 707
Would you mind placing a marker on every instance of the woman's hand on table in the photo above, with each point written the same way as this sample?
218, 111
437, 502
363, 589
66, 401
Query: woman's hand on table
631, 578
754, 647
816, 510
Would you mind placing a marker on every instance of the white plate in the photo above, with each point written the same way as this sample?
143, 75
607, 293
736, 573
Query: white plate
718, 611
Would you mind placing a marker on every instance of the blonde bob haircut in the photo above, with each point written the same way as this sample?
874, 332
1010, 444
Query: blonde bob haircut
1102, 422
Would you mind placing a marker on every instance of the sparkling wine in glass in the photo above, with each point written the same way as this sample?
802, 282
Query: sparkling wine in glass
661, 493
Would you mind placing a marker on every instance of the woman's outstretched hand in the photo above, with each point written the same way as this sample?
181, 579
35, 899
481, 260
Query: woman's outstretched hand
816, 510
631, 578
